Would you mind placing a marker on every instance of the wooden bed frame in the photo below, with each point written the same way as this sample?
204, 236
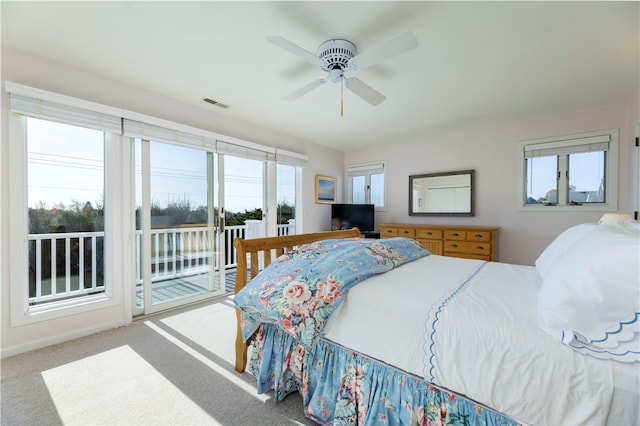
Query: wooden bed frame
267, 246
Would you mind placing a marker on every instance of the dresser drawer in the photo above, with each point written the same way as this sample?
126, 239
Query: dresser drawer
388, 232
460, 235
467, 247
407, 233
455, 235
429, 234
478, 236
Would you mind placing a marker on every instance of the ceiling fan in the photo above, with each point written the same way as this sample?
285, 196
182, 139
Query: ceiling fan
338, 56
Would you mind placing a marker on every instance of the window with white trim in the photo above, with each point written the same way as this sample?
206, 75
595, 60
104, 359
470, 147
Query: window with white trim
577, 172
60, 157
366, 184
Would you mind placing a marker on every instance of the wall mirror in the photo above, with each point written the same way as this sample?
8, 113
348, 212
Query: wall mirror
442, 194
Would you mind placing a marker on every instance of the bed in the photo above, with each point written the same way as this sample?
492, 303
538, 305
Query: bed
383, 332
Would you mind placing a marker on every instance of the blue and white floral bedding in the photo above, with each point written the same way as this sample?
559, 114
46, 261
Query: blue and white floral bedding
290, 355
302, 288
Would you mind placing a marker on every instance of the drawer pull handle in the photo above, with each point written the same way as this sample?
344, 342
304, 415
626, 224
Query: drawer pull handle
429, 233
456, 234
454, 245
405, 232
480, 248
478, 236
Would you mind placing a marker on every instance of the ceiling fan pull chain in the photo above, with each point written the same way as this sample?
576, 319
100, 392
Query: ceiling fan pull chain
341, 96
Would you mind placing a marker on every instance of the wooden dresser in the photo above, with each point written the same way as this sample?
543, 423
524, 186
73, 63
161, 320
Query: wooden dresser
472, 242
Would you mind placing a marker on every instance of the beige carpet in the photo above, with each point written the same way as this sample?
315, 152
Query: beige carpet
169, 369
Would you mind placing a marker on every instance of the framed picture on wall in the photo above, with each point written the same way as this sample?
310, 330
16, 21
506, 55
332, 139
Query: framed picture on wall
325, 189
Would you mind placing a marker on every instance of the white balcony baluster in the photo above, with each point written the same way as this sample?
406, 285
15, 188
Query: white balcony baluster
175, 252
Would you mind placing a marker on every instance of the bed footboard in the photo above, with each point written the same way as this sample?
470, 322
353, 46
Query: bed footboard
249, 253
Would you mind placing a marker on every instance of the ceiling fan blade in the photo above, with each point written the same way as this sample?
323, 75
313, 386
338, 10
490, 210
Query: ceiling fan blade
304, 89
395, 46
296, 50
366, 92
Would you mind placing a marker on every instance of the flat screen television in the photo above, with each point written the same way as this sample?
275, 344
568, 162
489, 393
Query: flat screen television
346, 216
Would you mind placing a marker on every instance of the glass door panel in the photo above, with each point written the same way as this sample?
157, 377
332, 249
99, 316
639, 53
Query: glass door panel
286, 193
178, 241
243, 201
244, 195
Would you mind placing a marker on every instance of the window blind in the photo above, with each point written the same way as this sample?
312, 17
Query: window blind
243, 151
63, 113
291, 158
573, 146
365, 169
139, 129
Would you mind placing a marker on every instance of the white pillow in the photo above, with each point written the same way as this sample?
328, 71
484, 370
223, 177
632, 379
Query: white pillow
590, 298
560, 245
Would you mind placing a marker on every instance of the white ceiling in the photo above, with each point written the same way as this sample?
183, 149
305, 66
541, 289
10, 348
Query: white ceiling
477, 63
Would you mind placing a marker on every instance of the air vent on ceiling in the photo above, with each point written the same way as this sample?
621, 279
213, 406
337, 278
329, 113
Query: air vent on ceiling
216, 103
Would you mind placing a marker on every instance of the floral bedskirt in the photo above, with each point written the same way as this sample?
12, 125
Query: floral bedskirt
343, 387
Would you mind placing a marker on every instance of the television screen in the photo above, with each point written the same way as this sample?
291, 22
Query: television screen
346, 216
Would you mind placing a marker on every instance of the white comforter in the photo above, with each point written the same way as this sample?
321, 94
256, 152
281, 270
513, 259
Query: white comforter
487, 344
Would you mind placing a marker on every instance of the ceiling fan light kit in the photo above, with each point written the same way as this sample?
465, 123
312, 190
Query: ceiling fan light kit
337, 56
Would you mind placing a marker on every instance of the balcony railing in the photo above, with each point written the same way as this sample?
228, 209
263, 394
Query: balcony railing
75, 260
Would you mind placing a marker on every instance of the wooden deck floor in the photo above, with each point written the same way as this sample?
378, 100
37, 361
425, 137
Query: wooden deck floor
177, 288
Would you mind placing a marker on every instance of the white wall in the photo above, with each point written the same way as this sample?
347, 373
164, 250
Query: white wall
492, 152
23, 68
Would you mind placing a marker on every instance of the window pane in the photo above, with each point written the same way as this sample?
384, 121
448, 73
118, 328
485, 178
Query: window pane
65, 193
244, 195
586, 177
358, 190
183, 244
377, 190
542, 183
286, 193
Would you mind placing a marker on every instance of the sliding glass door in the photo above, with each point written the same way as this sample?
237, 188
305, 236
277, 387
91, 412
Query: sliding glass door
178, 246
191, 203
